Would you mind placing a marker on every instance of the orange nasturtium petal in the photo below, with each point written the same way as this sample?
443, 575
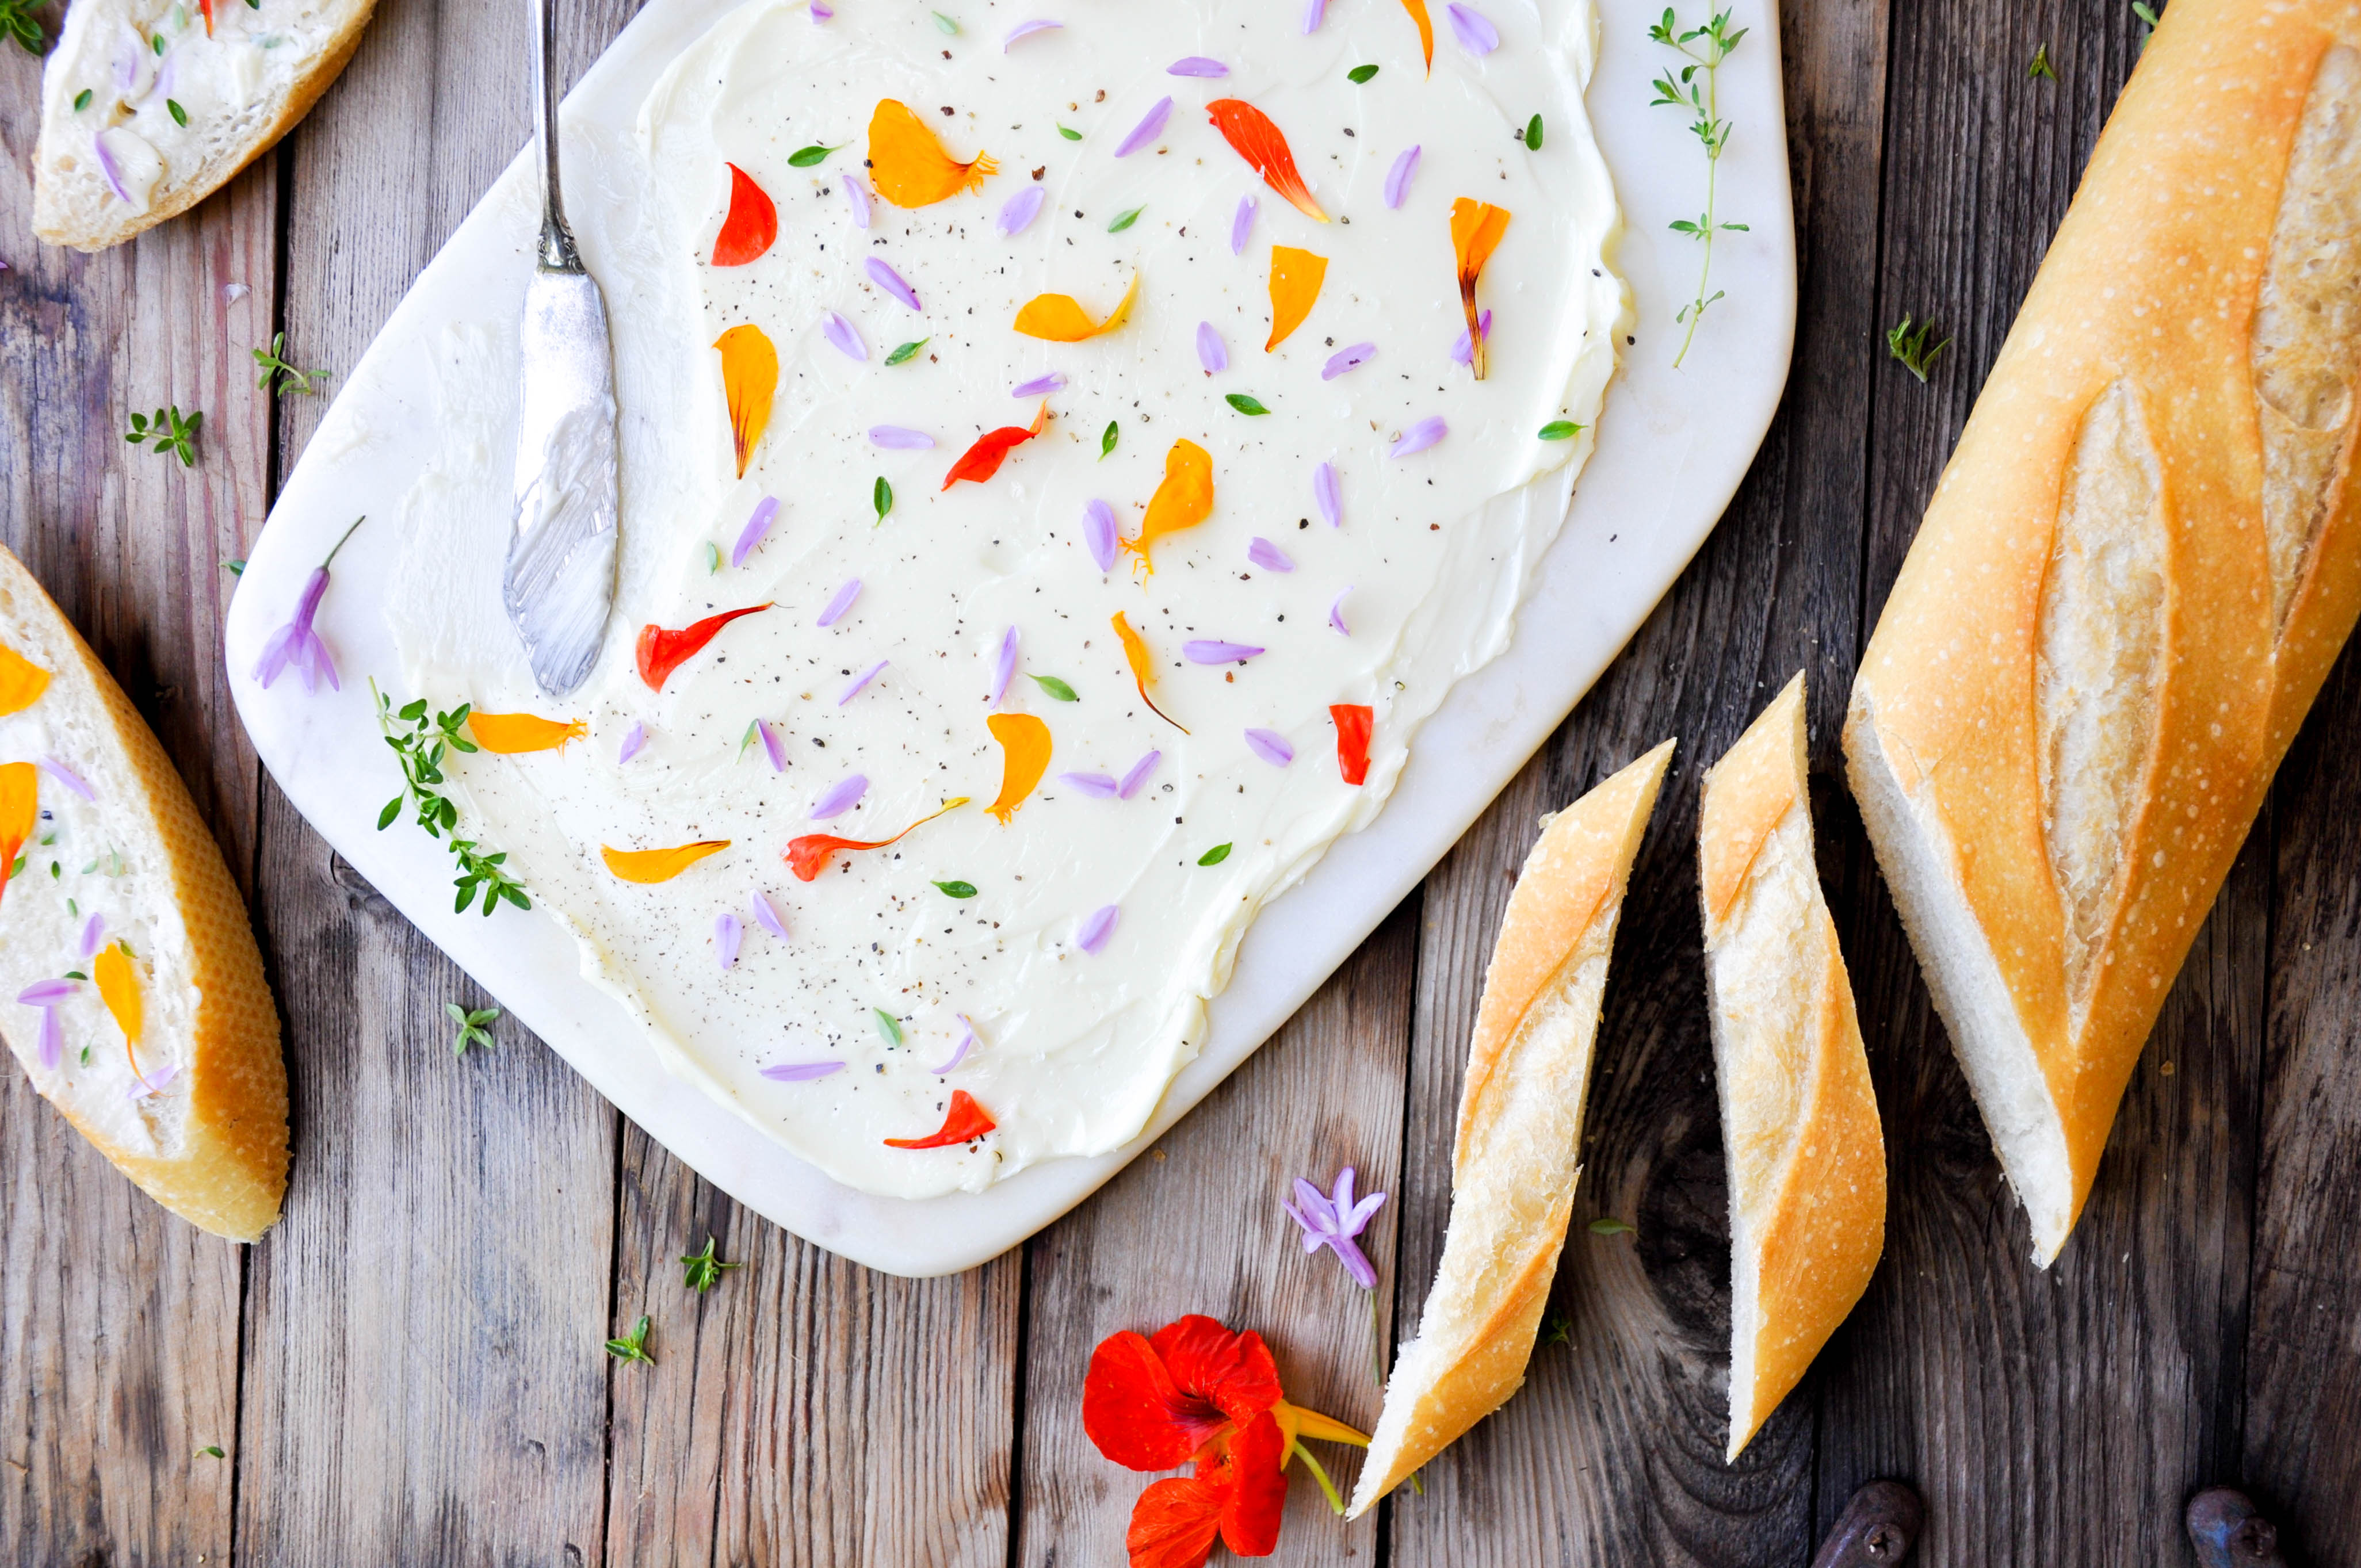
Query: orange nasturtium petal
983, 460
1252, 135
909, 166
1354, 721
510, 734
1417, 9
750, 374
752, 226
118, 987
659, 865
21, 812
1143, 669
22, 682
966, 1121
1475, 231
1295, 279
1184, 499
1060, 318
1024, 747
809, 856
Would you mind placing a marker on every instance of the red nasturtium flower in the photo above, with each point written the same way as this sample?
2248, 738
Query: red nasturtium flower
1196, 1391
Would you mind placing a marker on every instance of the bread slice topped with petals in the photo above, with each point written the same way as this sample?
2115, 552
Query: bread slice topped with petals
1798, 1115
1514, 1166
131, 991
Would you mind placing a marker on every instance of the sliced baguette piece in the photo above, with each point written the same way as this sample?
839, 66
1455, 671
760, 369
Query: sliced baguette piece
125, 161
1520, 1143
1799, 1123
2132, 580
210, 1142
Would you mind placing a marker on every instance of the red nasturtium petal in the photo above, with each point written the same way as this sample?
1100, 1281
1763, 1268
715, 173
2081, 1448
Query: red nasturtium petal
1233, 1370
1257, 1467
750, 378
1475, 231
506, 734
1175, 1522
22, 682
1143, 668
206, 8
1254, 138
908, 165
1184, 499
1024, 757
983, 460
1136, 1414
1417, 9
21, 812
651, 866
1295, 279
661, 651
1354, 721
752, 226
965, 1121
809, 856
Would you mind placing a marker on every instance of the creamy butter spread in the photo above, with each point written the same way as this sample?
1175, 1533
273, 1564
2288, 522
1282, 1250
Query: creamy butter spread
888, 964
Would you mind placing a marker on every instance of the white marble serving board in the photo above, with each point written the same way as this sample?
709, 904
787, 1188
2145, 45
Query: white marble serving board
1673, 445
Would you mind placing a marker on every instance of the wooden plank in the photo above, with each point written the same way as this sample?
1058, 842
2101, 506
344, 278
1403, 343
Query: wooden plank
1195, 1225
424, 1380
807, 1410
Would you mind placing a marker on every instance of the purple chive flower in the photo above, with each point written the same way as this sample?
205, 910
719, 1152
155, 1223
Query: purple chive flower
841, 603
857, 196
1038, 386
1138, 775
1212, 353
1324, 491
1334, 1221
296, 643
1021, 208
1003, 668
1243, 224
768, 918
885, 278
142, 1086
1419, 437
1345, 360
821, 11
1026, 30
52, 1043
68, 777
773, 747
1336, 614
1313, 14
1093, 932
1098, 533
841, 798
106, 166
1476, 33
966, 1044
1148, 130
727, 932
92, 930
1207, 651
861, 682
1398, 177
1270, 746
1268, 556
756, 527
1099, 786
47, 992
633, 740
801, 1072
840, 333
1463, 347
899, 438
1196, 65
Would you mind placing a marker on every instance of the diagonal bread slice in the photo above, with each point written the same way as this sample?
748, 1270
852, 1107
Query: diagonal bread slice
1798, 1115
181, 95
125, 878
1514, 1166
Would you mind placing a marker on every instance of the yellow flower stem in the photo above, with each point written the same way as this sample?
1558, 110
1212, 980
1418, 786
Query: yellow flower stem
1301, 1423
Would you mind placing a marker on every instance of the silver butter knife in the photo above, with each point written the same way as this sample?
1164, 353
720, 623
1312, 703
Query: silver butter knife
560, 583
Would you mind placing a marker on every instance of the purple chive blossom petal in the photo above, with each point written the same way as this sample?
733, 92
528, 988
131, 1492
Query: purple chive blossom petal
47, 992
1098, 532
68, 777
106, 166
1419, 437
1003, 668
1476, 33
143, 1087
633, 739
1268, 556
857, 197
1243, 224
1270, 746
1038, 385
840, 333
768, 918
1196, 65
93, 929
232, 293
1211, 352
1099, 786
1094, 931
1313, 14
1334, 1221
1206, 651
1324, 491
1345, 360
1398, 177
841, 798
801, 1072
1026, 30
126, 60
821, 11
296, 643
841, 603
727, 934
885, 278
1148, 130
1336, 614
1021, 208
1138, 775
899, 438
52, 1045
756, 527
861, 681
966, 1044
772, 746
1462, 348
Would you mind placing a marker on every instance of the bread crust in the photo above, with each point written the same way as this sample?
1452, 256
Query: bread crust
2151, 284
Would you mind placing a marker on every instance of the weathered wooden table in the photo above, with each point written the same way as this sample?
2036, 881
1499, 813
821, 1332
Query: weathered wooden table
407, 1369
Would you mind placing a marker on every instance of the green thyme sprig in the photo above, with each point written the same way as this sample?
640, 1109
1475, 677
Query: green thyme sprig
421, 750
474, 1027
17, 21
290, 379
1695, 87
173, 432
702, 1270
632, 1346
1908, 344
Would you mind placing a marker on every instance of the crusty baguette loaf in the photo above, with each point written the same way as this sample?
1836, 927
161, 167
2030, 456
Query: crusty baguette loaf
162, 129
1514, 1166
1799, 1123
210, 1141
2132, 579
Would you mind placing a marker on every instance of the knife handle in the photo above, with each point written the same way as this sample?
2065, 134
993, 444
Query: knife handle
556, 251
